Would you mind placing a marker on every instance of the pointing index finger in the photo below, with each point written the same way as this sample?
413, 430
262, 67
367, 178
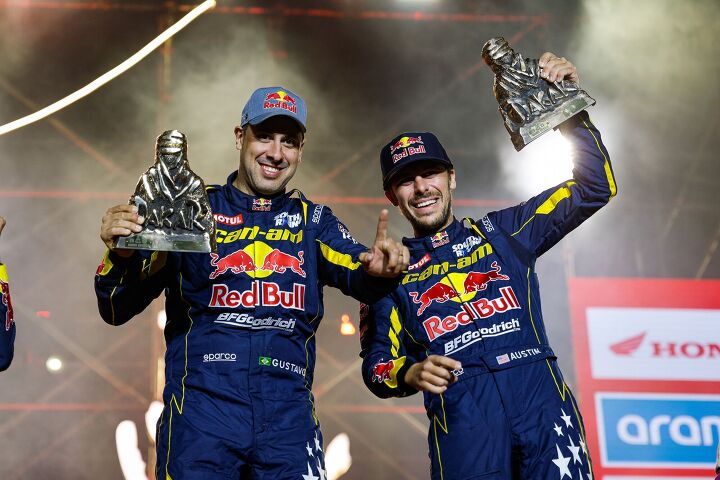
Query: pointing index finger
381, 234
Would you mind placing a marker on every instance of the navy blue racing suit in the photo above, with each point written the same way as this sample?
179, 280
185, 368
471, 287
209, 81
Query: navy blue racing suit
7, 324
240, 334
471, 293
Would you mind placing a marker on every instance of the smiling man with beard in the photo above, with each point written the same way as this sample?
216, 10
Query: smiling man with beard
465, 326
241, 322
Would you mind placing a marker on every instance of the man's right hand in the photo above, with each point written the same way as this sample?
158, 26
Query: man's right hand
120, 221
433, 374
2, 224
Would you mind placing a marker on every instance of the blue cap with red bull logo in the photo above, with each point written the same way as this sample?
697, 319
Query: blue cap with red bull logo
408, 148
267, 102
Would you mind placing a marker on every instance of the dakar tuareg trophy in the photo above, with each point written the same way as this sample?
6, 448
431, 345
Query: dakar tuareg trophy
173, 201
529, 104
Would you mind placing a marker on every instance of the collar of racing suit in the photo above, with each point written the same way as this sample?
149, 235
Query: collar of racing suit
418, 246
245, 201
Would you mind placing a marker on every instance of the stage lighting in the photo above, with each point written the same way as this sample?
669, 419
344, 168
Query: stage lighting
54, 364
543, 164
346, 326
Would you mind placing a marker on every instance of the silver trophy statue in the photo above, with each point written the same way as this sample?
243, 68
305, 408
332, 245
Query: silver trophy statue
173, 201
529, 104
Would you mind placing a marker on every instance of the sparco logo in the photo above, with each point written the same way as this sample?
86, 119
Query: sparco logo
317, 213
219, 357
260, 293
659, 349
472, 336
487, 224
483, 308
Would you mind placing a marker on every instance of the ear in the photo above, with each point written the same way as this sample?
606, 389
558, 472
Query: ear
300, 149
238, 137
451, 173
391, 196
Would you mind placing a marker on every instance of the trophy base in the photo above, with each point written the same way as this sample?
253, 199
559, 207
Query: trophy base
548, 121
161, 241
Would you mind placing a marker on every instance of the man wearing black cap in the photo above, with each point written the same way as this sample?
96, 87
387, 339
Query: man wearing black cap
465, 325
241, 322
7, 325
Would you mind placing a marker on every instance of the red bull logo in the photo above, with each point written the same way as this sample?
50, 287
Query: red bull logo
440, 239
231, 221
477, 281
278, 261
241, 261
405, 142
441, 292
267, 294
237, 262
5, 295
479, 309
382, 371
261, 205
280, 99
405, 147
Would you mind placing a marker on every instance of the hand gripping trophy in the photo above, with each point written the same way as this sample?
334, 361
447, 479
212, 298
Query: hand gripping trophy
529, 104
172, 198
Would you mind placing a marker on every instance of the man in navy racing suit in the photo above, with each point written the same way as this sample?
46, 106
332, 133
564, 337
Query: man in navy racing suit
465, 325
7, 324
241, 322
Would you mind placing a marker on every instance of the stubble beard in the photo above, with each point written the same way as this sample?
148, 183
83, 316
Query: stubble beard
431, 226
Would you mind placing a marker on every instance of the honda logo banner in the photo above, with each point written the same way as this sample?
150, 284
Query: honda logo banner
648, 372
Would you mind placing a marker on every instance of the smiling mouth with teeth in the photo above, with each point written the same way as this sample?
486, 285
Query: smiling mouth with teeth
426, 203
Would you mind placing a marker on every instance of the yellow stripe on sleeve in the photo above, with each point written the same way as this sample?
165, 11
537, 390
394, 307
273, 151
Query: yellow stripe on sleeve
337, 258
557, 196
392, 381
608, 170
394, 331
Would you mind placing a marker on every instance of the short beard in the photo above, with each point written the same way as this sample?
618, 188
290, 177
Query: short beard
423, 230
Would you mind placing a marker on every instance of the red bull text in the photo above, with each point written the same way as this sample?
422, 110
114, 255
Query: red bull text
406, 144
267, 294
281, 100
483, 308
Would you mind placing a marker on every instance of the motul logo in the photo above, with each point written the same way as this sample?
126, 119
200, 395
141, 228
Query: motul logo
630, 345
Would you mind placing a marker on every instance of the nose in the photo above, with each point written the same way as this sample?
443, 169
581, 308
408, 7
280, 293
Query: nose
420, 184
274, 151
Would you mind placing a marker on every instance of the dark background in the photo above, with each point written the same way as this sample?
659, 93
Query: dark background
368, 69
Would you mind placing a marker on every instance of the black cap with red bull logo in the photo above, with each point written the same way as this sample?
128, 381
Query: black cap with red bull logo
267, 102
408, 148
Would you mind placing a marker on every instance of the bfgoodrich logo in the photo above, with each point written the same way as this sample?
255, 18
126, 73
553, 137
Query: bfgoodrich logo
658, 430
654, 343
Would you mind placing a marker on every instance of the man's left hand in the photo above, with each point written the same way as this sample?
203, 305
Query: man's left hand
556, 69
386, 258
